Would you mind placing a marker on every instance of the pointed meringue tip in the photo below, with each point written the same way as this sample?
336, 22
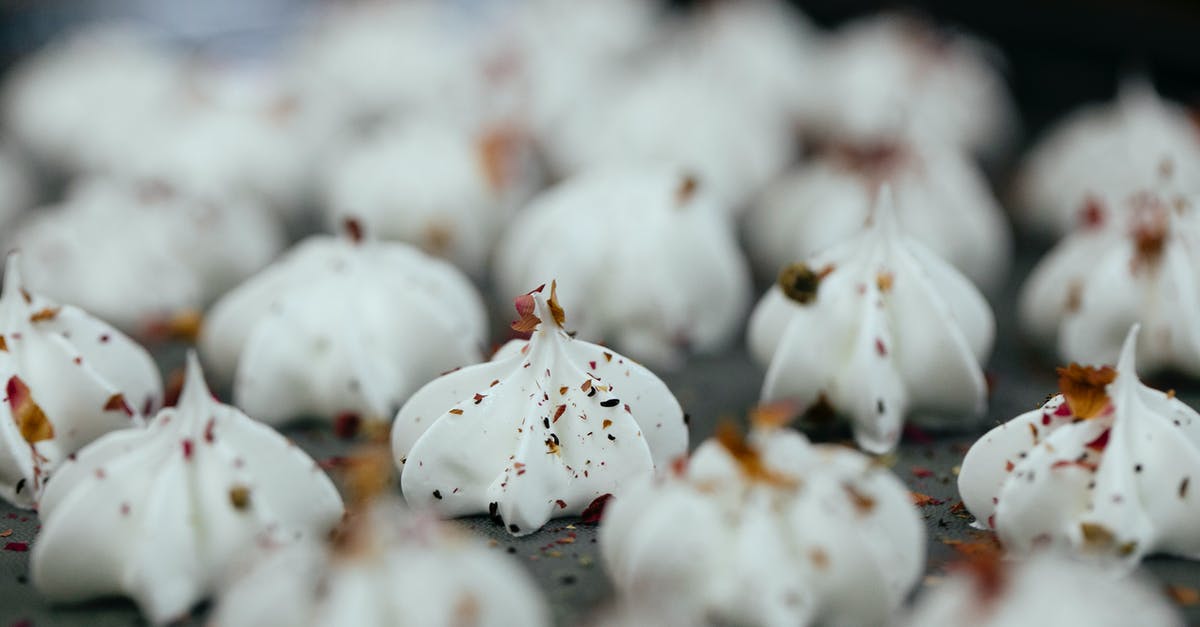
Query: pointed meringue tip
883, 214
194, 385
12, 273
1127, 364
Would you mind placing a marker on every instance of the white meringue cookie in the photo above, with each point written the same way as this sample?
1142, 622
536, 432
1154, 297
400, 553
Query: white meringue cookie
338, 326
941, 199
878, 327
229, 129
134, 253
646, 257
1043, 591
1104, 469
160, 514
541, 431
434, 185
70, 378
401, 569
77, 103
774, 531
676, 111
1109, 151
1136, 264
889, 77
369, 61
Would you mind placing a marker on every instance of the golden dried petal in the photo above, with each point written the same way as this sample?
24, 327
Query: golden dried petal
1084, 387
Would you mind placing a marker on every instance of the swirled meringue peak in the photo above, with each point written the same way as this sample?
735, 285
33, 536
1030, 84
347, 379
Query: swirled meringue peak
160, 514
1103, 151
391, 568
778, 532
942, 200
877, 328
69, 378
541, 431
1046, 590
1137, 264
1105, 469
342, 325
658, 275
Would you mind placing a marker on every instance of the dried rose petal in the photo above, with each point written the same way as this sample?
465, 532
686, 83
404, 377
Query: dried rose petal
31, 420
595, 510
1084, 388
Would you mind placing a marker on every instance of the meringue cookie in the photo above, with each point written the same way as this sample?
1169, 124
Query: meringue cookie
646, 256
890, 77
399, 569
369, 61
1042, 591
1137, 264
434, 185
877, 327
75, 104
542, 430
676, 111
133, 253
941, 199
160, 514
777, 532
1107, 151
1103, 469
339, 326
229, 129
70, 379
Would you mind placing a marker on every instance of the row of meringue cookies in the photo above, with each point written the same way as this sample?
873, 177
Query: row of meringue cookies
451, 176
171, 505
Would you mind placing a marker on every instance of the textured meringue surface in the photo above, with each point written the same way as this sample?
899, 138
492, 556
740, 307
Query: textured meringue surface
396, 568
69, 378
339, 325
438, 186
1104, 469
942, 200
541, 431
160, 514
778, 532
889, 76
137, 253
1138, 263
1105, 152
877, 328
1042, 591
658, 276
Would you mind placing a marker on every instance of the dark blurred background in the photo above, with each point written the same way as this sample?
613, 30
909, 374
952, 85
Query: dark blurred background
1060, 53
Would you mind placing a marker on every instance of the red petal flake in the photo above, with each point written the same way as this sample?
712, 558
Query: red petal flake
31, 420
595, 510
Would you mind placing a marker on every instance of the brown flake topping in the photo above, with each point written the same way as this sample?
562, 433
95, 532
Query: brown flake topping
31, 420
749, 459
1084, 388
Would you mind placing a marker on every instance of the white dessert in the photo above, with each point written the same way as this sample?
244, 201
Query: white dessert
137, 253
160, 514
1104, 469
646, 259
769, 531
69, 378
942, 199
230, 129
438, 186
889, 77
393, 567
674, 110
1106, 153
342, 326
1136, 262
370, 61
1042, 591
544, 429
877, 328
76, 104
